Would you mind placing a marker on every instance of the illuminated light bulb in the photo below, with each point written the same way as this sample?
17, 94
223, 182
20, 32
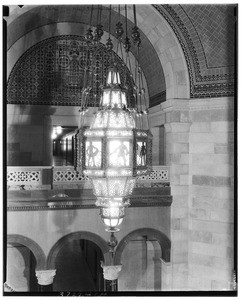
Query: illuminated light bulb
112, 216
116, 97
59, 130
54, 135
123, 98
113, 222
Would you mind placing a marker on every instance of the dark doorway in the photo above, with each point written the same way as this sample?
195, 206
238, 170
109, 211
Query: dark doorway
63, 146
78, 268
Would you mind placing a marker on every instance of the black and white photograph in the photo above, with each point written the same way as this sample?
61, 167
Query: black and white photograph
120, 149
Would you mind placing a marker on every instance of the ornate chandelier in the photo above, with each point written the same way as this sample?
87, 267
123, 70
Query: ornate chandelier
116, 148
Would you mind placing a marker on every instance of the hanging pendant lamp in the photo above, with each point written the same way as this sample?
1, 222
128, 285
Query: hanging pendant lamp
114, 150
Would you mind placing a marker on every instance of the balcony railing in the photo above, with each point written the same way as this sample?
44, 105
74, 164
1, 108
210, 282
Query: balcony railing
46, 177
29, 178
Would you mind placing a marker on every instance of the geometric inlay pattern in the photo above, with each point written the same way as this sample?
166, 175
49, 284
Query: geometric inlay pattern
52, 73
158, 175
216, 32
68, 176
23, 176
65, 174
198, 28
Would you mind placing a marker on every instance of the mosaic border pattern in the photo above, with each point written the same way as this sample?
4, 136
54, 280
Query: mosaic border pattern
198, 88
52, 73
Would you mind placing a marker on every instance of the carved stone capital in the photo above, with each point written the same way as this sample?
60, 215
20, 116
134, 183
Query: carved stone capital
111, 272
45, 277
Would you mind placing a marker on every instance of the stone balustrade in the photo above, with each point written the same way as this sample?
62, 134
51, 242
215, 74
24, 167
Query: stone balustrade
29, 178
46, 178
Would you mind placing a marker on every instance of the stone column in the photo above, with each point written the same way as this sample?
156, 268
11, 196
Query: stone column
177, 129
177, 149
166, 275
45, 279
158, 146
111, 274
212, 194
157, 274
47, 140
155, 145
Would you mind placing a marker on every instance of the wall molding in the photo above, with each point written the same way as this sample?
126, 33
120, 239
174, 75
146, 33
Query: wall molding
136, 201
198, 104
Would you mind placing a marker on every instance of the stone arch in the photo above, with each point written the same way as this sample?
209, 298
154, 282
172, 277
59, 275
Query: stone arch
162, 239
168, 49
52, 31
162, 58
26, 30
85, 235
32, 77
31, 245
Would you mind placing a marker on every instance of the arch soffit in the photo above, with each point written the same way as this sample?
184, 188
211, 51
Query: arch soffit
168, 49
84, 235
162, 239
31, 245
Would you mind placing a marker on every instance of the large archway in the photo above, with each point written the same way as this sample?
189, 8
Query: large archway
80, 235
161, 59
77, 259
52, 73
78, 267
141, 254
32, 245
162, 239
24, 257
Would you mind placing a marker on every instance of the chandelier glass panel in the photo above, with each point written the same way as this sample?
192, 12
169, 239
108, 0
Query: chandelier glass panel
117, 147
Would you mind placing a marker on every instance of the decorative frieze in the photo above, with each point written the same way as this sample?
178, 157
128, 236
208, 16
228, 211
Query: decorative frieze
23, 176
68, 175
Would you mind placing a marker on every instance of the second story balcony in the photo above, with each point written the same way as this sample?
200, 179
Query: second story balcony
62, 187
